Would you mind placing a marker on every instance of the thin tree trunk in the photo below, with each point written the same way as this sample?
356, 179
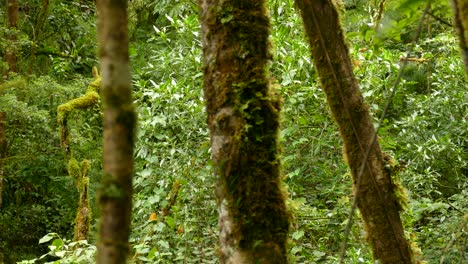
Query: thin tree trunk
10, 56
460, 11
243, 118
376, 198
3, 152
115, 196
83, 215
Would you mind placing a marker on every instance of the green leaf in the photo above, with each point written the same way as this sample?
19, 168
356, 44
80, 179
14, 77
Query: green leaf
47, 238
298, 234
60, 254
318, 254
170, 222
296, 249
163, 244
58, 243
153, 253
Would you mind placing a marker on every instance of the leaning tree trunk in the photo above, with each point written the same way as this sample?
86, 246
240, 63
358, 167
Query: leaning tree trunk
460, 11
10, 56
375, 195
115, 196
243, 118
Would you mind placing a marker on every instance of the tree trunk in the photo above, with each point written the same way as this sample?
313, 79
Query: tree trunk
89, 99
460, 11
10, 56
3, 152
78, 172
83, 215
243, 118
376, 198
115, 195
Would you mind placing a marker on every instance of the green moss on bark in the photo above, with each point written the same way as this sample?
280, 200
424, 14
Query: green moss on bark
243, 117
90, 98
79, 172
377, 196
83, 216
74, 171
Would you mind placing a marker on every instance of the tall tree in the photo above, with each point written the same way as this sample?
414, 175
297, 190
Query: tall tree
460, 11
10, 56
374, 190
243, 118
115, 196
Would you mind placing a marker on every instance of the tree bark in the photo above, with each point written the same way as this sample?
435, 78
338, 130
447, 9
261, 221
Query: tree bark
243, 118
78, 172
10, 56
89, 99
460, 11
115, 195
375, 196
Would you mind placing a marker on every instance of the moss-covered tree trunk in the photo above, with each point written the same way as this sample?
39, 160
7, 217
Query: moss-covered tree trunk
376, 198
3, 152
79, 172
89, 99
10, 56
460, 18
243, 118
83, 216
115, 196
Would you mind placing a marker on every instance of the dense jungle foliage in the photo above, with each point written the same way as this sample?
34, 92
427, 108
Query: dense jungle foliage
174, 217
